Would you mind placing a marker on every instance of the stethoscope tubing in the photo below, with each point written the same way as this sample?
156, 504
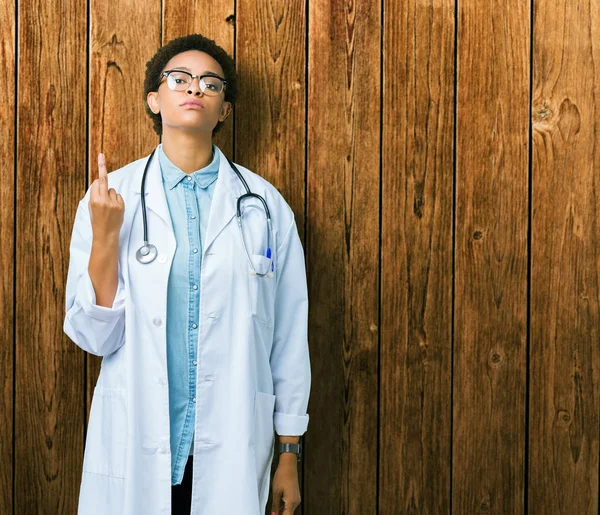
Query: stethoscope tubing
147, 253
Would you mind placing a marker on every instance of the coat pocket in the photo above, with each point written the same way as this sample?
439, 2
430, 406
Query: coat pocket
264, 437
262, 291
106, 440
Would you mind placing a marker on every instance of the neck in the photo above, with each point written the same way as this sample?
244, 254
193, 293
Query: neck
190, 152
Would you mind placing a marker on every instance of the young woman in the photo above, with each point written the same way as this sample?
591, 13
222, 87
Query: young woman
187, 275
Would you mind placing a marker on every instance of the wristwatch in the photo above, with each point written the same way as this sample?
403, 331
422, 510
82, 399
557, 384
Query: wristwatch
291, 447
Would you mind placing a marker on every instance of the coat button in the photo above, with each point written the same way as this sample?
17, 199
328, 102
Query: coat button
162, 258
157, 321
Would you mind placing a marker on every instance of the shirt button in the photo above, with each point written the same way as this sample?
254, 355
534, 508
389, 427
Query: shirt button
194, 399
193, 217
189, 178
195, 251
194, 362
195, 286
157, 321
194, 326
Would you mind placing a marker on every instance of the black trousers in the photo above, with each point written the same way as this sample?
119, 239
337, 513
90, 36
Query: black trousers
181, 495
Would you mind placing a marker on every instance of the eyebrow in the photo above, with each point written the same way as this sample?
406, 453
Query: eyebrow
205, 71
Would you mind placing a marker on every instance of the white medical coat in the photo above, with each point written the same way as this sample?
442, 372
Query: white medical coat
253, 371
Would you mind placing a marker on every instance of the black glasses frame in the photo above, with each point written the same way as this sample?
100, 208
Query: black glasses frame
192, 77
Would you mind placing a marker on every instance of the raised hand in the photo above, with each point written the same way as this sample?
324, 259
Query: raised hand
106, 206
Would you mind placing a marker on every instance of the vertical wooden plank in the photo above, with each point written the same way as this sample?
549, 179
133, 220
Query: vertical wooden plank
214, 20
491, 258
416, 249
343, 254
271, 118
119, 126
271, 121
7, 231
563, 469
50, 181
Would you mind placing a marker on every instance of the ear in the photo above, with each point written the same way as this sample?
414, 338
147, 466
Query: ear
152, 99
225, 111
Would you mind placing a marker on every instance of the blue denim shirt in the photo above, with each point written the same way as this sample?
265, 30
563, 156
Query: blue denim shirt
189, 197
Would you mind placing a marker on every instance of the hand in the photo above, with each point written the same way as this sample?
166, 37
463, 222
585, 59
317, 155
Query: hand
106, 206
285, 485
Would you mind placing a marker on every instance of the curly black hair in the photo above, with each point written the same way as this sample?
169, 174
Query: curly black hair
156, 65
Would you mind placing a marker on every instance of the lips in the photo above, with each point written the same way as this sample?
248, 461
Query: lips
193, 105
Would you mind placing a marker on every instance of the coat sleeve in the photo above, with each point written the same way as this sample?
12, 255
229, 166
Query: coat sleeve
96, 329
290, 364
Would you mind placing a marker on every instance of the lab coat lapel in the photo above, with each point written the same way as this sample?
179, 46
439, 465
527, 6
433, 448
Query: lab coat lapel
224, 202
154, 192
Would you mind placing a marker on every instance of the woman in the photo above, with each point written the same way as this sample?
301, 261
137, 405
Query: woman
204, 341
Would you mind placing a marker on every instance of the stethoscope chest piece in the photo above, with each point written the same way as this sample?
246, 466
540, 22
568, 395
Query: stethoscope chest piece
146, 253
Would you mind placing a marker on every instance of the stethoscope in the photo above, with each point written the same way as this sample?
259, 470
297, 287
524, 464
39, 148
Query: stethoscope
148, 252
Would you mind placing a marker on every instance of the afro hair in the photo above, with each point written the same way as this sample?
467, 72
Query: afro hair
156, 65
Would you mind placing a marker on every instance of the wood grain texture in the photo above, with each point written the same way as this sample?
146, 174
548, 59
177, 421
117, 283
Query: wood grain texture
343, 255
271, 120
416, 258
491, 268
565, 256
7, 250
50, 178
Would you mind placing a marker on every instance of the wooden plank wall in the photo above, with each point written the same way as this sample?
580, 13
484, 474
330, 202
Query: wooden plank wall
7, 251
442, 161
565, 252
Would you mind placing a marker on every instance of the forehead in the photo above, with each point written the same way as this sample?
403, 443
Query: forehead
195, 62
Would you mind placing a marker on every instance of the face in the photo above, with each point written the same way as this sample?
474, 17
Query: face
169, 102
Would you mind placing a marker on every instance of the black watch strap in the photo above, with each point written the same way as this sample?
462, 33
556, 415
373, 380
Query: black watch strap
291, 447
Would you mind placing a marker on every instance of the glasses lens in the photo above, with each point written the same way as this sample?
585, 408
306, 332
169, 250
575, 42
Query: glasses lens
212, 85
178, 80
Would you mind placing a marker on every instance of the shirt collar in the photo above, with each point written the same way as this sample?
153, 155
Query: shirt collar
173, 175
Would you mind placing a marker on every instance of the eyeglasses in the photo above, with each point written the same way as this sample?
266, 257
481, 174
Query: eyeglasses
178, 80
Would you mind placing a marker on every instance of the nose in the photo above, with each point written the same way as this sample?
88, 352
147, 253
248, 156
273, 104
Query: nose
198, 89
